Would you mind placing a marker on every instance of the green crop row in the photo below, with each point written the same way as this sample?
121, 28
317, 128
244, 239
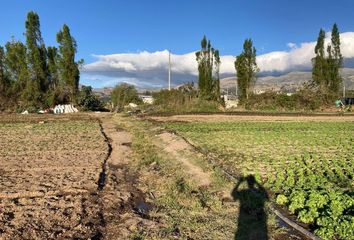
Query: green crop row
309, 166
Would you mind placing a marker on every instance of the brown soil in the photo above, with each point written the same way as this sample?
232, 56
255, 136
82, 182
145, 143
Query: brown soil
75, 187
231, 118
47, 187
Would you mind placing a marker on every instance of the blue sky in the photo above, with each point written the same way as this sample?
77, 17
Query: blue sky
113, 27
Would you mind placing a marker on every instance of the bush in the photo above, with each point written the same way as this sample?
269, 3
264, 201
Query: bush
170, 98
88, 101
306, 99
124, 94
183, 99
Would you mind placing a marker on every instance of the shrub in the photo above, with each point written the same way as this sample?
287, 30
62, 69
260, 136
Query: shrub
183, 99
306, 99
88, 101
124, 94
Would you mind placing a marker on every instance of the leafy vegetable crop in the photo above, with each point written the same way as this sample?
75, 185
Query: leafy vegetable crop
309, 166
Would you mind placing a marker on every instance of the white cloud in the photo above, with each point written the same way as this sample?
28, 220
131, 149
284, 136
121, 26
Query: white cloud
150, 68
295, 59
143, 61
291, 45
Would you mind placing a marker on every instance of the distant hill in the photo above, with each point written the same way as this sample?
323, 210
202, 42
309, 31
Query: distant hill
290, 81
103, 91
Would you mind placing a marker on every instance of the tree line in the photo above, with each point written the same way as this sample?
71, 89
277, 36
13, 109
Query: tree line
33, 75
39, 76
206, 96
326, 79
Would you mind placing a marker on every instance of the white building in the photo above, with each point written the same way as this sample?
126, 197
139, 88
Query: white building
147, 99
231, 101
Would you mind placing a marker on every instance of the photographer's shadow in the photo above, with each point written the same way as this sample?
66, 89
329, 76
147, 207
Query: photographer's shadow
252, 218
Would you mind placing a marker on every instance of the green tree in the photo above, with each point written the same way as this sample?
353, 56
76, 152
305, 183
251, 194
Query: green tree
56, 93
319, 62
325, 70
124, 94
208, 67
4, 78
68, 67
36, 61
335, 40
35, 76
53, 68
16, 62
246, 68
216, 76
335, 60
87, 100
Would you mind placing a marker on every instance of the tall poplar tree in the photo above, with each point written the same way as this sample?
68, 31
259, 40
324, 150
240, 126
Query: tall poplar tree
325, 70
319, 62
246, 69
216, 76
335, 61
53, 73
36, 57
208, 67
68, 67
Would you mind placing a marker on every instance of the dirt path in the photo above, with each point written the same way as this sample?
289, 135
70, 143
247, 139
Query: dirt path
122, 204
183, 152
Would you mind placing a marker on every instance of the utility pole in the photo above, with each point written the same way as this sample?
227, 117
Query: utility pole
236, 89
343, 90
169, 71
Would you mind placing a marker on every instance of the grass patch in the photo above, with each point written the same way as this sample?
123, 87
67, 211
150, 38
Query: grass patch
186, 211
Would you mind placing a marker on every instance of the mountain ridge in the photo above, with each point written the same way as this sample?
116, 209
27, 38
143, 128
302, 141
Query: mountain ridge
290, 81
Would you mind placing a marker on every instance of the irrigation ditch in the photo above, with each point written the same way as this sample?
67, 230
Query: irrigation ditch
102, 177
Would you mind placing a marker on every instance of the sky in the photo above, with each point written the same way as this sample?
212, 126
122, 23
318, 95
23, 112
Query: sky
127, 41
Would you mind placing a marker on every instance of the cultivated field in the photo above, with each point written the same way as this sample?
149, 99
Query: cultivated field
111, 176
306, 166
46, 177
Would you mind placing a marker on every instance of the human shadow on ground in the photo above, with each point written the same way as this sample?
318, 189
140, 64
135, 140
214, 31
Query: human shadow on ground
252, 218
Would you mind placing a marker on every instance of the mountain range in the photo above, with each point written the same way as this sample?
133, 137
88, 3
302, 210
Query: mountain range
288, 82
